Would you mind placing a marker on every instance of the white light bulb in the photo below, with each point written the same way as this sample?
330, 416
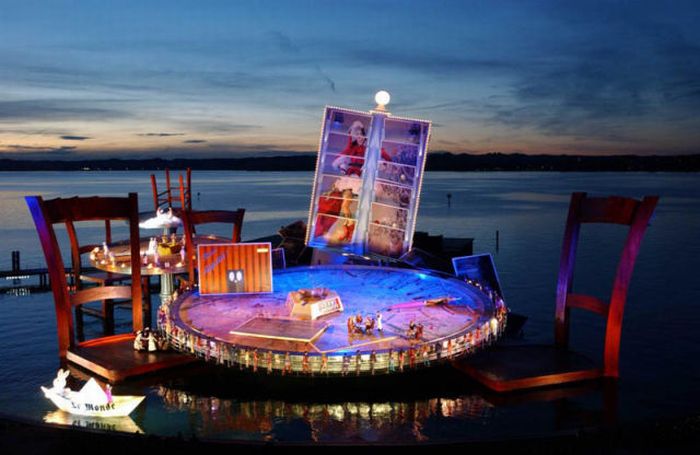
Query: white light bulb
382, 97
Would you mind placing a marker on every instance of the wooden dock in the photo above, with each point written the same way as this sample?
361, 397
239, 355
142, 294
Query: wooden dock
114, 358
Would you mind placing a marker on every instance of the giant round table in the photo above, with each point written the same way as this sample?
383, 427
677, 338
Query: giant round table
257, 331
166, 267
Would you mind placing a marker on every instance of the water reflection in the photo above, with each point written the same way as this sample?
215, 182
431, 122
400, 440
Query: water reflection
122, 424
277, 420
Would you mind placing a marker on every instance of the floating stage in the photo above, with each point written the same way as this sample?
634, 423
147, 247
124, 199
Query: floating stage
425, 317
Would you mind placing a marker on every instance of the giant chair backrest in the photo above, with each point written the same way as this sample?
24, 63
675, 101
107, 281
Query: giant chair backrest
194, 218
77, 250
186, 191
615, 210
167, 198
68, 211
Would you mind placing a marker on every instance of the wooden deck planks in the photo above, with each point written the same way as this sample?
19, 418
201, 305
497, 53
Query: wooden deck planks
115, 359
506, 368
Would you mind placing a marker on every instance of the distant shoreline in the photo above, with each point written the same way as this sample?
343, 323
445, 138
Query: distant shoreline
436, 162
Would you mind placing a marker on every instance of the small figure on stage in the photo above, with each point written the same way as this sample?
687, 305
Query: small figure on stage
378, 318
425, 352
138, 341
419, 331
392, 364
358, 362
402, 359
255, 360
268, 359
358, 323
108, 393
324, 363
305, 368
246, 357
372, 361
351, 325
346, 364
234, 355
411, 333
287, 363
369, 325
152, 342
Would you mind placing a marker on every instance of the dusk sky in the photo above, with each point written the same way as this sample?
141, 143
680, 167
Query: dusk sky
223, 79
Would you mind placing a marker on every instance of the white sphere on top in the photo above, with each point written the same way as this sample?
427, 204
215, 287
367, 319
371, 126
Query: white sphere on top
382, 97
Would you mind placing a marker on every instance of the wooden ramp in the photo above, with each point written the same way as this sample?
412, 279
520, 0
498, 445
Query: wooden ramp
115, 359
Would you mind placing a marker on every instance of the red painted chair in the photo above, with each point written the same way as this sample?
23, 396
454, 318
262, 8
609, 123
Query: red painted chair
171, 195
67, 211
507, 368
81, 279
191, 219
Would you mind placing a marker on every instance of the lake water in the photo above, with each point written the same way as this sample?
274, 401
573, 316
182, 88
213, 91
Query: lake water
659, 369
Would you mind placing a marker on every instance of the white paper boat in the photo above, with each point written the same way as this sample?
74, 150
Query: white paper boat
91, 400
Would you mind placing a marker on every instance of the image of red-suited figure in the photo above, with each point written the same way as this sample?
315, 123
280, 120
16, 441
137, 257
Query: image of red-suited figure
352, 157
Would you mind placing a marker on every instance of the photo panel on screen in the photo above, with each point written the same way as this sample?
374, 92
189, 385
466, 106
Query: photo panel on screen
235, 268
351, 124
343, 165
386, 241
399, 153
392, 217
404, 131
395, 195
333, 230
338, 196
347, 141
396, 173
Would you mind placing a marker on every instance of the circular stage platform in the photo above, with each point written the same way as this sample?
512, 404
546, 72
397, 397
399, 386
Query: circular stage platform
258, 331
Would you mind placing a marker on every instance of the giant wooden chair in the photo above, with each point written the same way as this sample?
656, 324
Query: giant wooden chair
507, 368
68, 211
173, 194
82, 279
192, 219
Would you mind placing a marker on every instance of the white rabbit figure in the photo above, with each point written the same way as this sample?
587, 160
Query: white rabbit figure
59, 384
152, 346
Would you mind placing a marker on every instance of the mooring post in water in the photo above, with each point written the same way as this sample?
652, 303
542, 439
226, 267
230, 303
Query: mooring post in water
15, 261
449, 200
15, 267
498, 235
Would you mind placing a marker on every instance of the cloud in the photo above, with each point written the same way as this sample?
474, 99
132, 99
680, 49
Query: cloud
194, 141
160, 134
75, 138
284, 42
215, 126
19, 151
57, 109
325, 77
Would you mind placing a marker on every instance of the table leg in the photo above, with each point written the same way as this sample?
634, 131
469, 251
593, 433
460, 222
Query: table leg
166, 287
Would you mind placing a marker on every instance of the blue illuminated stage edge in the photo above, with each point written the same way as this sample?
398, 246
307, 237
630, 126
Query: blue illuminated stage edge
426, 318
